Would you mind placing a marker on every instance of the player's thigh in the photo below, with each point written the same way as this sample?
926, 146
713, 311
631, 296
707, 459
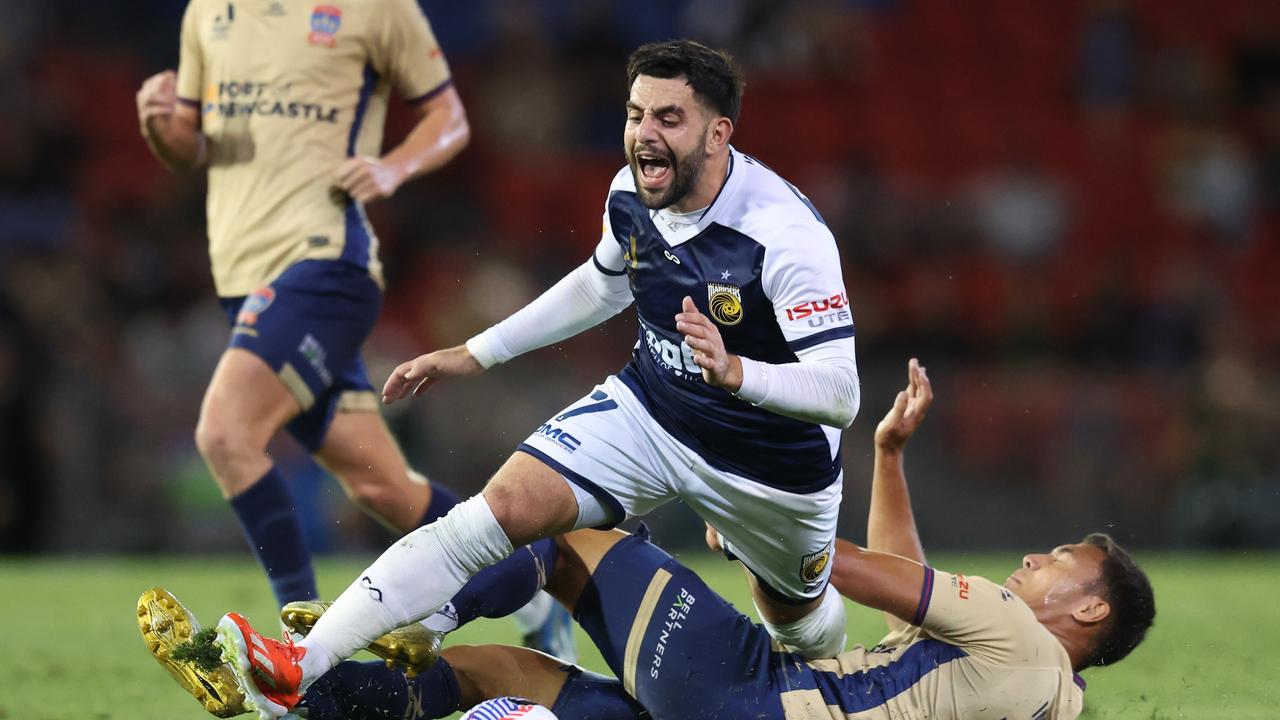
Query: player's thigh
605, 445
490, 671
361, 452
359, 447
246, 402
677, 646
785, 539
578, 555
308, 326
530, 500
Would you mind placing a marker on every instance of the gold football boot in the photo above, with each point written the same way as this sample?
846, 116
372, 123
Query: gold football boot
165, 624
413, 647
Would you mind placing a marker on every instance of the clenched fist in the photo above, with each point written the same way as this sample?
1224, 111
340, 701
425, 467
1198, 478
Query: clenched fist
157, 100
367, 179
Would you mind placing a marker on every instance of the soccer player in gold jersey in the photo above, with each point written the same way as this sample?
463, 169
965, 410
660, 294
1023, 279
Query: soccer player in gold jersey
283, 103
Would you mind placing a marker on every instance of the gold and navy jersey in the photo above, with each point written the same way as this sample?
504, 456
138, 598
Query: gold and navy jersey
976, 652
287, 90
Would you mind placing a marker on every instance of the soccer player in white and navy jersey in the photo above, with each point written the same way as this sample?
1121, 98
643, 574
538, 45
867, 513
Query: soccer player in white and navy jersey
740, 384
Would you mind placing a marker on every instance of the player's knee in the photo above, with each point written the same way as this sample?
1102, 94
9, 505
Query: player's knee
220, 443
503, 501
372, 494
531, 505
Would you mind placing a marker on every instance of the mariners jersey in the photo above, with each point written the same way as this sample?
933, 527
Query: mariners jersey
978, 652
761, 263
287, 90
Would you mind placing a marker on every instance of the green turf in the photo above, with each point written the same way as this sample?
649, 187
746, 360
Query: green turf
70, 648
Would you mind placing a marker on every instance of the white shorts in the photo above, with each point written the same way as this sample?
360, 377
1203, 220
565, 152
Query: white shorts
608, 445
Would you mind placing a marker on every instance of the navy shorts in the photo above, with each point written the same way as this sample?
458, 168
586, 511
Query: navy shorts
678, 647
309, 325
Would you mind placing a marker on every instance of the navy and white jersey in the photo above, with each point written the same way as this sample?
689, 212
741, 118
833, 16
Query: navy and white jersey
761, 263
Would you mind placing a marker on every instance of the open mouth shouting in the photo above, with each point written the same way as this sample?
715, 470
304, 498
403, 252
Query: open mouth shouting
655, 169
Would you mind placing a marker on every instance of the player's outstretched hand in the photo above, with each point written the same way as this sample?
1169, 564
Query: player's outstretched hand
367, 179
719, 368
908, 410
424, 371
157, 99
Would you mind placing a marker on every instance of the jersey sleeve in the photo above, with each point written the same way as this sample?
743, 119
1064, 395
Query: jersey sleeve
407, 52
190, 60
801, 277
975, 615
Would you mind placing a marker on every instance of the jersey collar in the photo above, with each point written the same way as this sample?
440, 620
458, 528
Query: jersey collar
722, 199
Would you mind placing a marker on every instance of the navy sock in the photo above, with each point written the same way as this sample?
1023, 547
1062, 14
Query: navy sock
506, 587
588, 696
372, 691
272, 528
442, 501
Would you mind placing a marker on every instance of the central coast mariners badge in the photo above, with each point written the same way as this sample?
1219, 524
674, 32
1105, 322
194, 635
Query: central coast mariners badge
812, 565
725, 303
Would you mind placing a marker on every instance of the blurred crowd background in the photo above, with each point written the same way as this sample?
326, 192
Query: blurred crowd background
1069, 210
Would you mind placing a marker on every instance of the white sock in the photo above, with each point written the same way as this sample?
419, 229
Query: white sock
410, 581
534, 613
444, 620
816, 636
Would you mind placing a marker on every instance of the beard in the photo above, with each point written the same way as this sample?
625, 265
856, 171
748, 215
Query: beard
684, 174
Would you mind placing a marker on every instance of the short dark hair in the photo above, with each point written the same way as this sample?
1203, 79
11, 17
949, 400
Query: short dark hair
1127, 590
713, 74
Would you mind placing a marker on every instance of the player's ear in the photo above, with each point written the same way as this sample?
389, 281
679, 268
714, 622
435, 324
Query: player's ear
718, 132
1091, 610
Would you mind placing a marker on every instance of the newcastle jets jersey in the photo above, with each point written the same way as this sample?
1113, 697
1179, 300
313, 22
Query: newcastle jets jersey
977, 652
287, 90
760, 262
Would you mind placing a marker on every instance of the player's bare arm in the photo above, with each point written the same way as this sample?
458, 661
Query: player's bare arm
171, 128
888, 574
424, 371
719, 367
891, 525
881, 581
441, 133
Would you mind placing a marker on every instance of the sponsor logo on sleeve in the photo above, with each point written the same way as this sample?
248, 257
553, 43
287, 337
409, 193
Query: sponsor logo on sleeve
724, 302
961, 584
817, 307
827, 311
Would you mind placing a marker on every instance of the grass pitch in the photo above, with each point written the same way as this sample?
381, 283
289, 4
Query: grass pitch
70, 649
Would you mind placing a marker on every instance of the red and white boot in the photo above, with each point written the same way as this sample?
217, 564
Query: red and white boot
268, 670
